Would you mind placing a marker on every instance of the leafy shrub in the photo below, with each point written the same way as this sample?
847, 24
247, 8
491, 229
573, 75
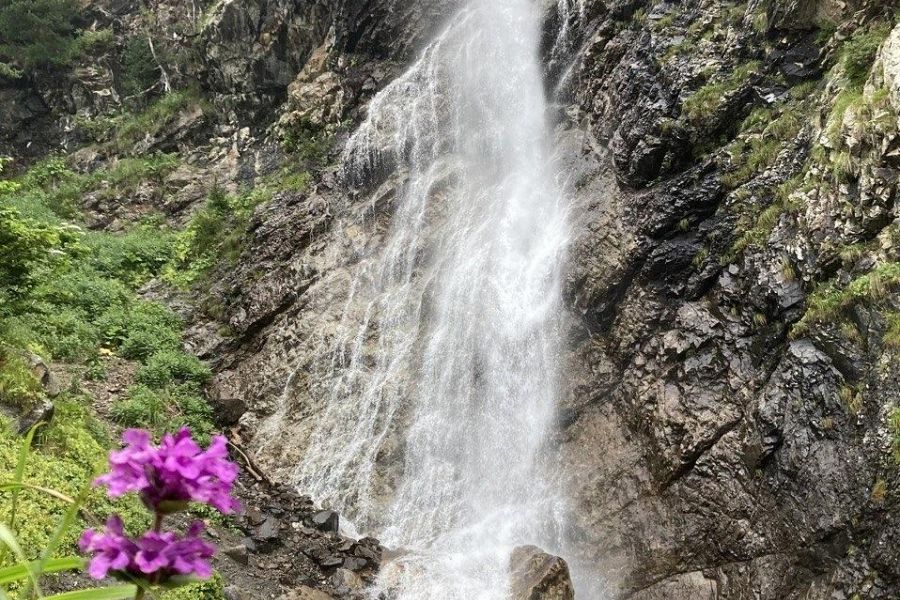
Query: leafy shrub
95, 42
28, 248
133, 257
139, 70
143, 407
166, 409
142, 330
168, 366
19, 387
216, 233
35, 33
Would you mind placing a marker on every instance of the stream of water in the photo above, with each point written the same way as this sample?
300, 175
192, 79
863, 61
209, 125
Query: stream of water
453, 368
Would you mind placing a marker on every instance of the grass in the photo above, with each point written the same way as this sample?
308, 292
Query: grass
67, 454
859, 52
830, 302
216, 234
764, 134
704, 103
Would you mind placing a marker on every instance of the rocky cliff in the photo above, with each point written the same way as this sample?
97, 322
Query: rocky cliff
730, 414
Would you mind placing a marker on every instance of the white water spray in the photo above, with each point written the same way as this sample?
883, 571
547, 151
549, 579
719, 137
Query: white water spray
452, 366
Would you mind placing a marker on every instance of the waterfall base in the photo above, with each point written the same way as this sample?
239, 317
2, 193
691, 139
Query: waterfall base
537, 575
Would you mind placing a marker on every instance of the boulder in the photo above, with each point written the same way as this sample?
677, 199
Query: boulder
326, 520
536, 575
43, 374
41, 412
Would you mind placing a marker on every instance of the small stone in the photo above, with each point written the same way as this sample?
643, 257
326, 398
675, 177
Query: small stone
331, 561
326, 520
238, 553
355, 563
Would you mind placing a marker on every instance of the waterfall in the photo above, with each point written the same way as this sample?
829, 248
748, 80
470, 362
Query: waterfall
450, 371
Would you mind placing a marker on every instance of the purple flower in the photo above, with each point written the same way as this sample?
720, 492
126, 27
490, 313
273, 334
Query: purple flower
112, 550
176, 472
154, 557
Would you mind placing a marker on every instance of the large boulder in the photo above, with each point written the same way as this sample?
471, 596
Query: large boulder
537, 575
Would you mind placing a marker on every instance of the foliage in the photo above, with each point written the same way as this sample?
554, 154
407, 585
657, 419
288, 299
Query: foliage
307, 140
67, 454
139, 70
859, 52
27, 248
19, 387
829, 302
165, 408
216, 233
35, 33
703, 103
95, 41
132, 128
167, 366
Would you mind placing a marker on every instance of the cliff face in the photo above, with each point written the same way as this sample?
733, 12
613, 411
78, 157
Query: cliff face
731, 289
733, 318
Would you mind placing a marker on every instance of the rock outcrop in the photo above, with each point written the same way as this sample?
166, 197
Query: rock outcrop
536, 575
731, 287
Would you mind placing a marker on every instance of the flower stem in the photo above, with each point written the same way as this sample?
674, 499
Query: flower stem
140, 594
157, 522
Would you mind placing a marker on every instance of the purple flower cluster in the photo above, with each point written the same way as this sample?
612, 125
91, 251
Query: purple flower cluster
154, 556
167, 477
174, 473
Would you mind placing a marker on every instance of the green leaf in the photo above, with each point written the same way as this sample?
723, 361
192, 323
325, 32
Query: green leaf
119, 592
9, 540
19, 475
20, 571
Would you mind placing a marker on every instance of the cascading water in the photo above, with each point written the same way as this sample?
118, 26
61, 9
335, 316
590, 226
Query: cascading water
456, 347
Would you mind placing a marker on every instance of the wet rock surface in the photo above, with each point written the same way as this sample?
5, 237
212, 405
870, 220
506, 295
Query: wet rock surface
276, 549
536, 575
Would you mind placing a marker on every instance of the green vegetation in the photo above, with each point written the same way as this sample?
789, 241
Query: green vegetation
830, 302
72, 295
132, 128
139, 70
217, 232
704, 103
34, 34
859, 52
307, 141
765, 131
67, 455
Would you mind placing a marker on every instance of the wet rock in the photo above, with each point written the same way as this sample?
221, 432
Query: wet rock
41, 412
536, 575
43, 374
346, 580
306, 593
326, 520
239, 554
